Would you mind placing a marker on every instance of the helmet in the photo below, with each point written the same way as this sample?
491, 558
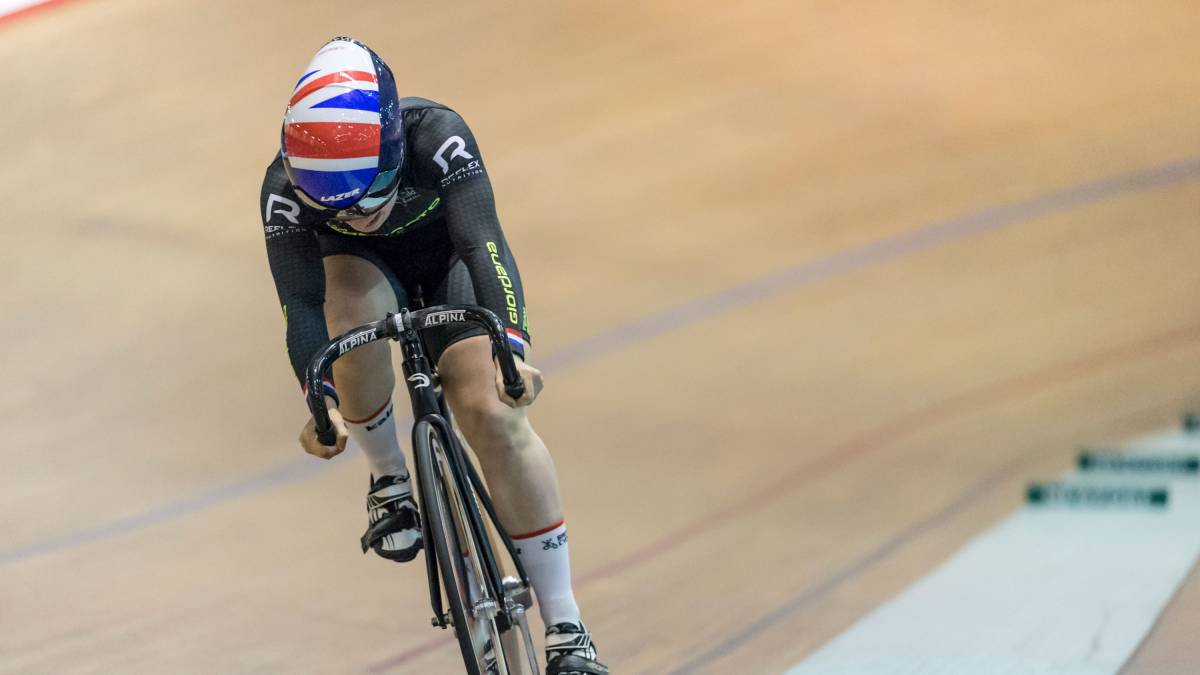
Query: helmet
342, 139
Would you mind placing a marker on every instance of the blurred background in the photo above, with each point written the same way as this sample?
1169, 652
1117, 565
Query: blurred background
801, 276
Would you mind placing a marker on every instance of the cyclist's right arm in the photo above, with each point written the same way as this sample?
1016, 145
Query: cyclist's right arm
295, 260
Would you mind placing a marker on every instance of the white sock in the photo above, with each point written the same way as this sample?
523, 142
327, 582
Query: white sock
544, 554
376, 435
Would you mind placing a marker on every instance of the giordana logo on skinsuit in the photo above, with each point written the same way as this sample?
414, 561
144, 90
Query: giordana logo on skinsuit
460, 150
421, 379
290, 212
510, 298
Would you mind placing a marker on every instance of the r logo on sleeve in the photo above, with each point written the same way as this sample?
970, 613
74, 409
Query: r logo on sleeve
460, 150
456, 148
288, 209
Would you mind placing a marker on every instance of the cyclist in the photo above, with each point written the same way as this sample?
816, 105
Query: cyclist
372, 202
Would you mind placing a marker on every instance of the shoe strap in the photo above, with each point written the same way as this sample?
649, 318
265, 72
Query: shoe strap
386, 494
397, 521
575, 640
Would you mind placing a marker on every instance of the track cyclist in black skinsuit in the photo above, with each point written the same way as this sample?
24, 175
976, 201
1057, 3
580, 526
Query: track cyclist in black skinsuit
374, 202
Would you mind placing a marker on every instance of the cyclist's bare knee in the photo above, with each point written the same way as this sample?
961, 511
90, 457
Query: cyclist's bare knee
493, 429
468, 377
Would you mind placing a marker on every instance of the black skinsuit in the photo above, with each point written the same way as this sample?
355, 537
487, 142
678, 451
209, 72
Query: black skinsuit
442, 242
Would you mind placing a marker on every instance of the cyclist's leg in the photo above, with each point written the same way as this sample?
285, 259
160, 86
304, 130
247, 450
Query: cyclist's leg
524, 486
358, 289
520, 473
357, 292
518, 466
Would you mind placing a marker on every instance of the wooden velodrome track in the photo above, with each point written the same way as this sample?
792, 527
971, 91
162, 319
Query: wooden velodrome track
817, 290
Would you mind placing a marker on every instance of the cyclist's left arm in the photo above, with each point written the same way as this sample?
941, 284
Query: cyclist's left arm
450, 156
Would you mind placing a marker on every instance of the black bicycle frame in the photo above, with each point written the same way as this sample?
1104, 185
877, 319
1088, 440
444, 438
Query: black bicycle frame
429, 405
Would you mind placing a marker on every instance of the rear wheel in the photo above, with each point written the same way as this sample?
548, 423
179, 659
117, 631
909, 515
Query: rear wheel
472, 605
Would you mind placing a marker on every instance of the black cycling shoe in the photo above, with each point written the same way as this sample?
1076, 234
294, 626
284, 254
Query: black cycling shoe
570, 651
394, 531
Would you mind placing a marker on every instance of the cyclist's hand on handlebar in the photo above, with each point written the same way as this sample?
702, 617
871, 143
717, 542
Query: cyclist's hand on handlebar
308, 435
533, 385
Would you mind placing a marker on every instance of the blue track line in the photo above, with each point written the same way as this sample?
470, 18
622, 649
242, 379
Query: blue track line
677, 317
288, 473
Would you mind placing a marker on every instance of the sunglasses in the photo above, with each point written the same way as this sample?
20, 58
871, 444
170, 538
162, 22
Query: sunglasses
382, 189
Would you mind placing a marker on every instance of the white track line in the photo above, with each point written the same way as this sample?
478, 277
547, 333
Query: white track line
1049, 590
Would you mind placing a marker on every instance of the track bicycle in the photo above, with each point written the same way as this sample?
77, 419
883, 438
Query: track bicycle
481, 605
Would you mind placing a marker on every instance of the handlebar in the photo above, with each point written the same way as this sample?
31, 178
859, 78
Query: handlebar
394, 327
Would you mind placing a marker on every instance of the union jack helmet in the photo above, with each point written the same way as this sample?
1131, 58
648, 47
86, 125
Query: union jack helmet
342, 140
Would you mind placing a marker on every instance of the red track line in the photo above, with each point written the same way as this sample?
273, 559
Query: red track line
874, 439
858, 567
907, 425
25, 12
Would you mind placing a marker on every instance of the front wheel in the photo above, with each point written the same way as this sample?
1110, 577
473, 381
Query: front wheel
473, 607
